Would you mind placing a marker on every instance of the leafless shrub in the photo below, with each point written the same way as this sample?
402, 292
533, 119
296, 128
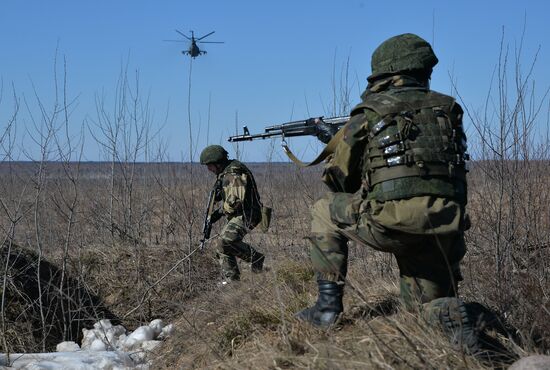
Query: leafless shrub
509, 196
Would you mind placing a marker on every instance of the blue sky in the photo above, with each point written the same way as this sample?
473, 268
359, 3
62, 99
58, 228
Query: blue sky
276, 63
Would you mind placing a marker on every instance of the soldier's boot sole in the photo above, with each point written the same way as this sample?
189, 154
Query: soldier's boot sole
459, 327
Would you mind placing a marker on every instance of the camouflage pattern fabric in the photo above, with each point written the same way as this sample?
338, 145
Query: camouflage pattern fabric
239, 194
230, 245
424, 233
242, 207
234, 190
398, 182
213, 154
406, 52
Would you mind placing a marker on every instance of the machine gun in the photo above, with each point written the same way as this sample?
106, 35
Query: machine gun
207, 223
311, 126
323, 128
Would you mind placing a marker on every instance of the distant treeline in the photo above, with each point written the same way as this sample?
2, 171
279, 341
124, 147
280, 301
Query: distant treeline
139, 169
143, 169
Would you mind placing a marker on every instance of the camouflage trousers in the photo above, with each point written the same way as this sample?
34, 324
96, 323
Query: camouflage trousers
425, 237
230, 245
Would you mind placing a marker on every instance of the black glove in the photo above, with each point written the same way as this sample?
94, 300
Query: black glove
215, 216
325, 132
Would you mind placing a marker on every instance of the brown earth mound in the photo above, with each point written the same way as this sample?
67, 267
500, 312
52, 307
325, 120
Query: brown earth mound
41, 304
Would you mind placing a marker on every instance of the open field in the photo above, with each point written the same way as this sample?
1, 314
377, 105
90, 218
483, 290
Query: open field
112, 231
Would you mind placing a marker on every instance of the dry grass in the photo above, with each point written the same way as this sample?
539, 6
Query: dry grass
250, 324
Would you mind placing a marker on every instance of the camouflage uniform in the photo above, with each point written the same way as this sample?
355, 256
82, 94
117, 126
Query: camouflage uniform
240, 204
242, 207
398, 183
420, 219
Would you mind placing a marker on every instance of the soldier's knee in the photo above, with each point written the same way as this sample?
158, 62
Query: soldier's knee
322, 203
321, 208
415, 291
320, 216
230, 237
222, 246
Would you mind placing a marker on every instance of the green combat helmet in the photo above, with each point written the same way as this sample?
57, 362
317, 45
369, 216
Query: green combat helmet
406, 52
213, 154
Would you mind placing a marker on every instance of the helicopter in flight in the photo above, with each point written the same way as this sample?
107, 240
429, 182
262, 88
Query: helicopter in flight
194, 51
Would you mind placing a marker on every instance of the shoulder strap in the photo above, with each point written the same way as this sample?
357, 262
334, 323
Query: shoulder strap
328, 150
385, 104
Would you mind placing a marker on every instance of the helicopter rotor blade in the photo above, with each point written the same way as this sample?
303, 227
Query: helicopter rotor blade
175, 40
208, 34
184, 35
211, 42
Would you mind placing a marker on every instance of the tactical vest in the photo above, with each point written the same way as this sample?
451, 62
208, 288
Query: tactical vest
417, 148
252, 204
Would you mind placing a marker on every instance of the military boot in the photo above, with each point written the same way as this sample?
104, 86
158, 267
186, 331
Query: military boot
257, 264
452, 315
328, 307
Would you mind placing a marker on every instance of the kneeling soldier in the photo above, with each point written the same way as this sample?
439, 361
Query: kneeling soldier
398, 182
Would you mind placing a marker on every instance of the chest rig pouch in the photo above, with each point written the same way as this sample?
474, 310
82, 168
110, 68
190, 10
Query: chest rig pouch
417, 148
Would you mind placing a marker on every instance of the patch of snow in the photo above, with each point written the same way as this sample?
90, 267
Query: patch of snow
140, 335
167, 331
105, 347
157, 326
79, 360
67, 347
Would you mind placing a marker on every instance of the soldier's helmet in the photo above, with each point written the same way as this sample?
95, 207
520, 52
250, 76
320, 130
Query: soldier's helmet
402, 53
213, 154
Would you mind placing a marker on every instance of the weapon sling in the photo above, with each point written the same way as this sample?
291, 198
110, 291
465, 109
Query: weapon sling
328, 150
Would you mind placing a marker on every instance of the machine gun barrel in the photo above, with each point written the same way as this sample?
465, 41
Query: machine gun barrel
289, 129
248, 137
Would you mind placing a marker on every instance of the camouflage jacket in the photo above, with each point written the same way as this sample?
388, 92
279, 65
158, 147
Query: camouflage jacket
345, 170
239, 193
